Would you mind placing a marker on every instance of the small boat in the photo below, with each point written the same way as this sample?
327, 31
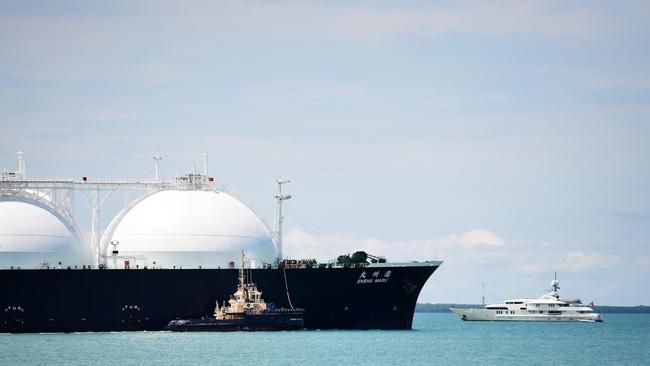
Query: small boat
247, 311
546, 308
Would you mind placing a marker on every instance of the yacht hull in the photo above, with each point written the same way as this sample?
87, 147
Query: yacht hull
487, 315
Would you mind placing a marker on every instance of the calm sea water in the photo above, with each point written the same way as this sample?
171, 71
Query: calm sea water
623, 339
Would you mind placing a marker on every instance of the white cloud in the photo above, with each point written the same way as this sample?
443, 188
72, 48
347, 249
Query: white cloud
579, 261
532, 267
510, 269
536, 261
480, 237
298, 244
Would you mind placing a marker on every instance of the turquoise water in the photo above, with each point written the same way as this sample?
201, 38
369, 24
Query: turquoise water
623, 339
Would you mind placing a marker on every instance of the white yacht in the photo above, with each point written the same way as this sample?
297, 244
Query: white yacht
547, 308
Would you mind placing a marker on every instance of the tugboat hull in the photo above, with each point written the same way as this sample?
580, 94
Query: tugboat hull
250, 323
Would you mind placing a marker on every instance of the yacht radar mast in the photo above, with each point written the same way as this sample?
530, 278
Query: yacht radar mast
555, 285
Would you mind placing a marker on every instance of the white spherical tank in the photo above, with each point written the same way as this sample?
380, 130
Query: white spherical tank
34, 235
187, 229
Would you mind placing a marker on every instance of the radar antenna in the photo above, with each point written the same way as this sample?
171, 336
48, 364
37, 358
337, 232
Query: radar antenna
278, 216
555, 285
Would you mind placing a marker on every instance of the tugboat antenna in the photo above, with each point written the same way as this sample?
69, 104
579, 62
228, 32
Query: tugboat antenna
242, 278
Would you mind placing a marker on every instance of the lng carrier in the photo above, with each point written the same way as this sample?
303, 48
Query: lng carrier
169, 253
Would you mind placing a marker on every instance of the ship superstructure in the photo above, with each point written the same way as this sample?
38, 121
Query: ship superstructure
247, 299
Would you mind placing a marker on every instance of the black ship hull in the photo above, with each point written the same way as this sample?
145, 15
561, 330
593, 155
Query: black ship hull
147, 299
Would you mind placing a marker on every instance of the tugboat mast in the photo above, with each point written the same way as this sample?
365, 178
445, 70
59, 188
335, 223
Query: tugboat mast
242, 278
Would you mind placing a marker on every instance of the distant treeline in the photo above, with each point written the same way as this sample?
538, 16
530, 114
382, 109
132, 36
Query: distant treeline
444, 308
640, 309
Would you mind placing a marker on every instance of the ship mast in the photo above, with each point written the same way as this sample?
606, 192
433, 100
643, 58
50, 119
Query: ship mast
242, 277
278, 217
21, 165
157, 158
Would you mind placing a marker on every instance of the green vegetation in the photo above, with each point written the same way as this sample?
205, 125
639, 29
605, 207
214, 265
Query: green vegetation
639, 309
343, 259
359, 257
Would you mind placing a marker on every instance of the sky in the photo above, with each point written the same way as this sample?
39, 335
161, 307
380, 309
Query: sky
509, 139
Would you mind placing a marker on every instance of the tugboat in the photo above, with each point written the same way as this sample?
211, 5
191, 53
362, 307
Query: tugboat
247, 311
547, 308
